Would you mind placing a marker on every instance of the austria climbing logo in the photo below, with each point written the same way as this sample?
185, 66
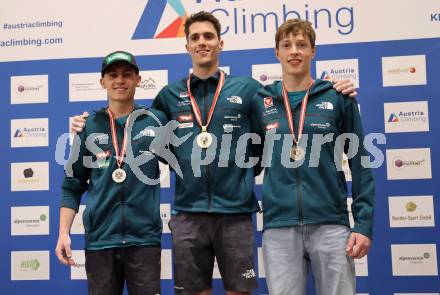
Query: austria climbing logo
161, 19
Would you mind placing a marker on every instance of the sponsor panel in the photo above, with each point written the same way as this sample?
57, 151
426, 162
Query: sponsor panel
165, 181
404, 70
361, 266
261, 271
151, 83
409, 163
30, 176
78, 270
29, 132
259, 217
406, 117
86, 87
29, 220
29, 89
77, 225
30, 265
165, 215
411, 211
266, 73
414, 259
166, 265
338, 69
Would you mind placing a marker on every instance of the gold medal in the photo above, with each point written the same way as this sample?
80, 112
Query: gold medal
204, 139
119, 175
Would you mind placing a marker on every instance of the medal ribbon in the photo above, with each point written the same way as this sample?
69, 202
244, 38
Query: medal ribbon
289, 112
195, 107
119, 156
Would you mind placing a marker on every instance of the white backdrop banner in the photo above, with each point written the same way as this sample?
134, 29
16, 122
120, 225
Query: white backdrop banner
74, 29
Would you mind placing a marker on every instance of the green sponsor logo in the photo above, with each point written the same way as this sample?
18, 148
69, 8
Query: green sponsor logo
30, 264
118, 56
43, 217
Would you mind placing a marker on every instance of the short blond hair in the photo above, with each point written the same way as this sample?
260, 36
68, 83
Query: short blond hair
295, 26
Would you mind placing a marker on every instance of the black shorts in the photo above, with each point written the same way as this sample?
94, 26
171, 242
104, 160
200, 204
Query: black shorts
107, 270
199, 237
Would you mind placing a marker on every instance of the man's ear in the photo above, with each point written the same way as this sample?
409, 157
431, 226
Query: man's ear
221, 44
102, 83
276, 53
139, 79
313, 52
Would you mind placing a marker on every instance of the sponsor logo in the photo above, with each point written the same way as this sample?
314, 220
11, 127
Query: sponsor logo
228, 128
268, 102
273, 125
410, 207
233, 118
325, 105
147, 132
29, 220
29, 89
235, 99
29, 265
151, 83
185, 125
86, 87
29, 176
338, 70
183, 95
320, 126
103, 138
28, 173
406, 116
148, 25
148, 84
416, 211
118, 56
401, 163
435, 17
267, 73
185, 118
404, 70
414, 259
409, 163
30, 132
248, 274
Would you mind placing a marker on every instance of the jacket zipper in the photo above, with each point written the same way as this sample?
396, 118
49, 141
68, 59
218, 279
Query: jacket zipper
208, 174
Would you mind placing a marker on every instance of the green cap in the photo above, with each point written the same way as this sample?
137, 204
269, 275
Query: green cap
119, 56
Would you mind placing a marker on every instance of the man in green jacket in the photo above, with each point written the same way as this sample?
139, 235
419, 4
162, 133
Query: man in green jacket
122, 217
306, 224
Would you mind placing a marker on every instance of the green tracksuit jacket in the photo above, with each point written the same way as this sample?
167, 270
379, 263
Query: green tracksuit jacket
221, 186
313, 195
116, 214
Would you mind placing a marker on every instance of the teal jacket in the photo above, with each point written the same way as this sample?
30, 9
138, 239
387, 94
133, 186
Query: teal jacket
221, 186
116, 214
315, 192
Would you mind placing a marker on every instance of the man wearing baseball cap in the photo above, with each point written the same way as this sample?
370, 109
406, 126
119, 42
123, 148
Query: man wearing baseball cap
122, 218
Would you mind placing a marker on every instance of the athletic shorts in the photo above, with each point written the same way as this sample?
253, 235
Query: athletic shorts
108, 269
201, 238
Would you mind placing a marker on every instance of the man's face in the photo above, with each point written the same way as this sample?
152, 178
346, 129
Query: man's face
121, 81
295, 54
203, 44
